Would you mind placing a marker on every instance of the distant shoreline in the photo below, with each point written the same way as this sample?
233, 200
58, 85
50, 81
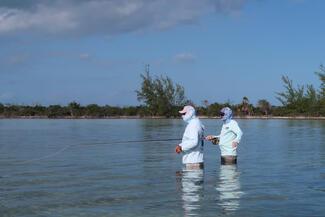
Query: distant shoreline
161, 117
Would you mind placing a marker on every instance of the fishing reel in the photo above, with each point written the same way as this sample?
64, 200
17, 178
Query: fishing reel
215, 141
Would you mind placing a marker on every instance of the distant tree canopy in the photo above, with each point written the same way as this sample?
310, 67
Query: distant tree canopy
321, 75
264, 106
161, 96
303, 99
321, 92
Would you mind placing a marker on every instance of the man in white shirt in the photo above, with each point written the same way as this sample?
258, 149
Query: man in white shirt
229, 137
192, 142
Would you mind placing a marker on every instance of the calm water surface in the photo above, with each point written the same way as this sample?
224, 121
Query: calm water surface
79, 168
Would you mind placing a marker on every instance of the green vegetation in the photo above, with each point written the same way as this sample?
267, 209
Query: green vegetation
303, 100
161, 97
73, 110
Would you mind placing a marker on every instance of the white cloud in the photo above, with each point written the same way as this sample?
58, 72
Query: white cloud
229, 6
184, 58
84, 56
45, 19
16, 59
105, 16
6, 96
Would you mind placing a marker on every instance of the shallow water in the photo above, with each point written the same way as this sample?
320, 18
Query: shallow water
77, 168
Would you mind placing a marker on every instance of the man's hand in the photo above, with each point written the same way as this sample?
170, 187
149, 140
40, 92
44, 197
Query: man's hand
234, 144
209, 138
213, 139
178, 149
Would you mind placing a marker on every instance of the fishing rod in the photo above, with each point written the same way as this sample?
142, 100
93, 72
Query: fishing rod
133, 141
97, 143
103, 143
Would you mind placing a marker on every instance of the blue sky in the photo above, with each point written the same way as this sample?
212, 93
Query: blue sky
93, 51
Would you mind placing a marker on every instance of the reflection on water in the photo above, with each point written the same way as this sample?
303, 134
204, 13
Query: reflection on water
281, 171
228, 188
192, 191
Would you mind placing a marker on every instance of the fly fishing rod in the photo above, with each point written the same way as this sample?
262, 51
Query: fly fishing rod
97, 143
133, 141
100, 143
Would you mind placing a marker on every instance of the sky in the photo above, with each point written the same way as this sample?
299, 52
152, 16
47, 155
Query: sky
93, 51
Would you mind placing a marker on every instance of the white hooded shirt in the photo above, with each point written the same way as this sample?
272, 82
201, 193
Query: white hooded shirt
192, 142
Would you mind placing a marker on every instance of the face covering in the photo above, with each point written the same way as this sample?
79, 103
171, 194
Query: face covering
226, 115
189, 115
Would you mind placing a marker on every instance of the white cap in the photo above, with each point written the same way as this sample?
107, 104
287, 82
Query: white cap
187, 109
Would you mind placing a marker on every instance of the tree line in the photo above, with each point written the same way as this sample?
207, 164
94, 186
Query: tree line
303, 99
160, 96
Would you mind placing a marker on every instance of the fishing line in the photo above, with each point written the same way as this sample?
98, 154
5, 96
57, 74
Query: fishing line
47, 156
96, 143
131, 141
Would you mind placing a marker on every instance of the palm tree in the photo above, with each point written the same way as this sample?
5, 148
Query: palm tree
206, 103
74, 108
264, 106
245, 106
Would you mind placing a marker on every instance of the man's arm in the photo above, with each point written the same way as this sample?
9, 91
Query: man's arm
191, 139
235, 128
